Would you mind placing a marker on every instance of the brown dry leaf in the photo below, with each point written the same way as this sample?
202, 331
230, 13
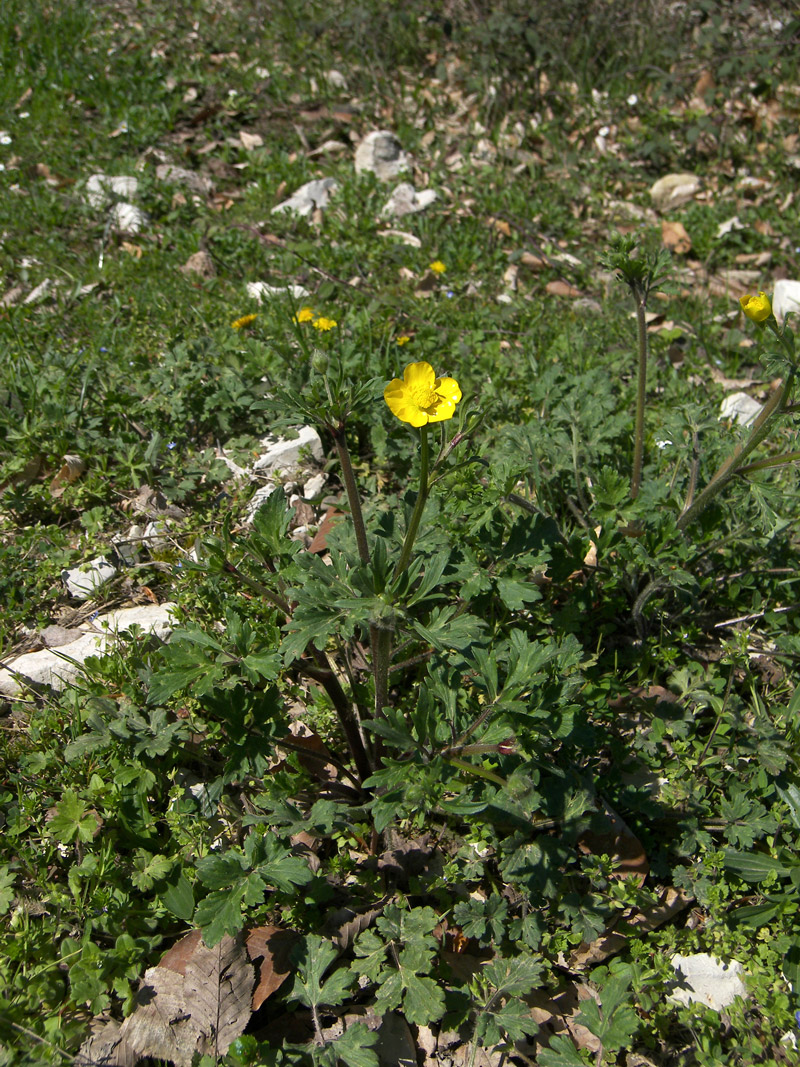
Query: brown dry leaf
313, 754
561, 288
196, 1000
616, 840
533, 262
675, 238
344, 925
733, 383
132, 249
250, 140
271, 945
500, 225
106, 1046
176, 958
73, 467
672, 902
734, 283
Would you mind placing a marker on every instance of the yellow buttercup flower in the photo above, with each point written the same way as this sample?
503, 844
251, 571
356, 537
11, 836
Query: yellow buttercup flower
324, 324
245, 320
304, 315
438, 267
758, 308
403, 339
420, 397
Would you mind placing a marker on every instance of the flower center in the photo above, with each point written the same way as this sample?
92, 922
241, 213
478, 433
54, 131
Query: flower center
425, 398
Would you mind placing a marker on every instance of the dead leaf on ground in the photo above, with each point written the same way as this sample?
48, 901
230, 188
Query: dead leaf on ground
675, 238
614, 838
672, 902
561, 288
344, 925
199, 1002
73, 467
271, 945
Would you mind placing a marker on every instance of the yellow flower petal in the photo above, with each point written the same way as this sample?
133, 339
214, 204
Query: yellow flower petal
438, 267
420, 397
304, 315
758, 308
245, 320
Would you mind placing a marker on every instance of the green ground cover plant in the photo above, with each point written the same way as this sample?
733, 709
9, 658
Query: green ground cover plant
447, 761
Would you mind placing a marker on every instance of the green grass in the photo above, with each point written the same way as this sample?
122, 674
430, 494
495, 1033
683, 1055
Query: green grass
156, 796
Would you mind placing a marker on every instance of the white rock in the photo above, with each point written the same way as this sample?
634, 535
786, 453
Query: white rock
60, 667
740, 407
128, 546
189, 179
405, 200
101, 189
84, 581
309, 197
262, 291
785, 299
39, 293
315, 486
381, 153
153, 535
401, 235
729, 226
127, 218
283, 454
673, 190
707, 980
258, 499
335, 79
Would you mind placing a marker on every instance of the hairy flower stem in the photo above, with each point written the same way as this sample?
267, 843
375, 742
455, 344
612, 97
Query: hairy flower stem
419, 507
734, 463
638, 432
349, 478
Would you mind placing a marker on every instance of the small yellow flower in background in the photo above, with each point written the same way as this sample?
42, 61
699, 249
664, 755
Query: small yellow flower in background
420, 397
304, 315
758, 308
438, 267
324, 324
403, 339
245, 320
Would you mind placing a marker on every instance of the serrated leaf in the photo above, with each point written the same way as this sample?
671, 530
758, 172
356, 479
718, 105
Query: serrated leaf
562, 1053
516, 976
512, 1022
312, 956
178, 897
423, 999
73, 820
370, 953
355, 1046
220, 913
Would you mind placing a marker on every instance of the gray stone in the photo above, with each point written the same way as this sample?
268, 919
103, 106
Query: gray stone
60, 667
381, 154
262, 291
84, 581
309, 197
102, 189
315, 486
127, 218
740, 407
405, 200
704, 979
283, 454
187, 179
785, 299
674, 190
